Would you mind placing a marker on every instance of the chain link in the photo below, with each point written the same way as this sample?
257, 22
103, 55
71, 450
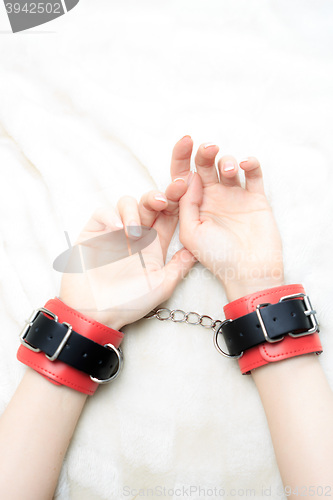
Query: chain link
180, 316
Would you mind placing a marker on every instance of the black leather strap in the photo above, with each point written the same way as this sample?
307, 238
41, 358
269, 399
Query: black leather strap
279, 319
79, 352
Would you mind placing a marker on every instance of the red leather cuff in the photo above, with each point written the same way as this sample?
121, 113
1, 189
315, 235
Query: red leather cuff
58, 372
266, 352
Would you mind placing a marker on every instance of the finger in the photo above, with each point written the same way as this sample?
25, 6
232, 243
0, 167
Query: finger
189, 210
253, 175
174, 192
176, 269
167, 221
129, 214
181, 158
150, 205
102, 219
205, 163
228, 168
154, 202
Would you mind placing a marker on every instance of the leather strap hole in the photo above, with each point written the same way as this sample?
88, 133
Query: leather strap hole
258, 326
100, 362
50, 337
84, 355
36, 329
274, 319
293, 314
67, 346
240, 334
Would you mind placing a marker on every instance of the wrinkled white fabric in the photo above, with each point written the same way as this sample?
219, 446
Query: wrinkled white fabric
91, 106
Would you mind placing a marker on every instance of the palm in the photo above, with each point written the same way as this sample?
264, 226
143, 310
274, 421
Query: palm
130, 284
238, 227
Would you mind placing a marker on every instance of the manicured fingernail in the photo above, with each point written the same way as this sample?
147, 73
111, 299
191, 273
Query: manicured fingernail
228, 166
209, 144
119, 224
243, 160
134, 229
160, 197
188, 136
190, 178
178, 179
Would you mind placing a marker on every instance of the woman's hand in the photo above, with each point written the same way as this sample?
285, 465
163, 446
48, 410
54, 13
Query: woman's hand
129, 277
230, 229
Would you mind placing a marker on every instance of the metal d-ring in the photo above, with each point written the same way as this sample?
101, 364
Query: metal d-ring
236, 356
120, 365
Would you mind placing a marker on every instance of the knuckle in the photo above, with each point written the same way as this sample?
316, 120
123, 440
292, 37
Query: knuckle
126, 200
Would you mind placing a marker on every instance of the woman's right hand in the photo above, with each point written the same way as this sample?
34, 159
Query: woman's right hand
125, 284
230, 229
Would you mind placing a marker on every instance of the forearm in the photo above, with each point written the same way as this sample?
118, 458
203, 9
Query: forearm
298, 403
35, 431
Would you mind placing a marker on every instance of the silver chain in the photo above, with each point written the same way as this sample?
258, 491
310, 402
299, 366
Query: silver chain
180, 316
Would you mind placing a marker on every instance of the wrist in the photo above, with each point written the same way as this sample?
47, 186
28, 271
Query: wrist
282, 329
110, 319
237, 289
70, 348
284, 370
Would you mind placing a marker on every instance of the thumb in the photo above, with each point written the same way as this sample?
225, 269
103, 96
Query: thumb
176, 269
189, 209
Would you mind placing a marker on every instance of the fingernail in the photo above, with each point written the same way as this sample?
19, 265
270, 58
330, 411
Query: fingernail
228, 166
243, 160
134, 229
209, 144
160, 197
178, 179
188, 136
119, 224
190, 178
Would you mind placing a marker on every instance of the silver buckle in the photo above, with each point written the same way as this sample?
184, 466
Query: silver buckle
29, 324
62, 343
309, 311
262, 324
119, 353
